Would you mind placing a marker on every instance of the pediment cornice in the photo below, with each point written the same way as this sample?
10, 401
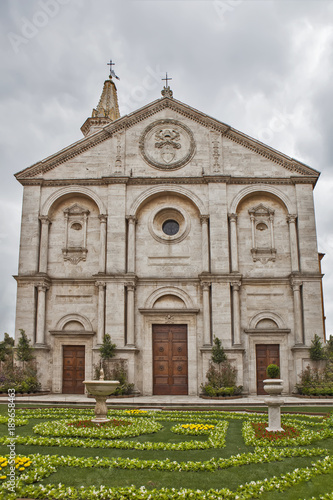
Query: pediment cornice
151, 109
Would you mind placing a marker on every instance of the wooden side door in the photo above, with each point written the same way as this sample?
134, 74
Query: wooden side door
266, 354
73, 369
170, 363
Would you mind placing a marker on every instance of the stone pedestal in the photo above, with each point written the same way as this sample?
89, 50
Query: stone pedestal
101, 410
273, 387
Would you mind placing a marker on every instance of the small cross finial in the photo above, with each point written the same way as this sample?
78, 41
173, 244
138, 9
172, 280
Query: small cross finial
110, 64
166, 80
112, 73
166, 92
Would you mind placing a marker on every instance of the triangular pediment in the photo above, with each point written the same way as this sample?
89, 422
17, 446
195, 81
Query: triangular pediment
128, 121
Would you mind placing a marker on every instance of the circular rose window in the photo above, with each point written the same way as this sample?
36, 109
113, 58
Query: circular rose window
169, 225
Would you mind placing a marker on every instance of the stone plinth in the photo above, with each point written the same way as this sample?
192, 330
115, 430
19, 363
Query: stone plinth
273, 387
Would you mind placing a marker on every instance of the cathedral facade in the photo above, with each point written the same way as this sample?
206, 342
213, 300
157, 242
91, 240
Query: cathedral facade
166, 228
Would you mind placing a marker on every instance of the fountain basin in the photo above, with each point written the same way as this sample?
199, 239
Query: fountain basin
101, 387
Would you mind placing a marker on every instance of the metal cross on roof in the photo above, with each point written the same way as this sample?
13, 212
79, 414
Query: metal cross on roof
166, 79
112, 73
111, 64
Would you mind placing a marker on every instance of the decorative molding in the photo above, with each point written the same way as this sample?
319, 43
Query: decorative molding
167, 312
215, 141
267, 331
169, 319
263, 255
206, 179
76, 333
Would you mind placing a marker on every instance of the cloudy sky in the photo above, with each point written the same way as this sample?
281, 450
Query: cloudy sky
263, 67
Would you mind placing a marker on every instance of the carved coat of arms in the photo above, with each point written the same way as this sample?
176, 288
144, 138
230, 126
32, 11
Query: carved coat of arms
167, 143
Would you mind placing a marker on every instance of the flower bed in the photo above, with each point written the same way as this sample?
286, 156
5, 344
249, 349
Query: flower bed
128, 428
269, 448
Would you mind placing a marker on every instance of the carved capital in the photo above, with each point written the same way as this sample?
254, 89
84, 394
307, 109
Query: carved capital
131, 219
296, 285
235, 285
103, 218
44, 219
100, 284
291, 218
205, 285
130, 285
42, 286
232, 217
204, 219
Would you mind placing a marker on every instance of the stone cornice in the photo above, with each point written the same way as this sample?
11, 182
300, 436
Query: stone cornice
150, 181
124, 278
151, 109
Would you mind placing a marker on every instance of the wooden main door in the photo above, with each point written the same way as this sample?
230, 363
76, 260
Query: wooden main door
73, 369
266, 355
170, 359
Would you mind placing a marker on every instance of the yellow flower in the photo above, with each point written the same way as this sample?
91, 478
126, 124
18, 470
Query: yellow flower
3, 477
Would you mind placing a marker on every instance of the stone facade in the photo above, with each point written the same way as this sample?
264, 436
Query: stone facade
168, 217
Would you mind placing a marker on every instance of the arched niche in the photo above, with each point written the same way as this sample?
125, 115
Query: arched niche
169, 295
72, 322
68, 192
256, 190
169, 301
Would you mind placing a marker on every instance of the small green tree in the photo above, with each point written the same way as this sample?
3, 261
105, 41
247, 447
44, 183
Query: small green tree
218, 354
107, 349
316, 349
6, 348
24, 351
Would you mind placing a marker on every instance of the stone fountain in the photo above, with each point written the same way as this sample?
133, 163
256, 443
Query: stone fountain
101, 389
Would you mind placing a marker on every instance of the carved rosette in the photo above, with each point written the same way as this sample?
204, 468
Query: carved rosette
167, 144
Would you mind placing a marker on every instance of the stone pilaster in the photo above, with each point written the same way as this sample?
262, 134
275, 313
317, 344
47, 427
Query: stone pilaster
101, 312
102, 248
131, 244
44, 243
206, 313
291, 219
130, 341
233, 242
298, 311
204, 219
235, 286
41, 302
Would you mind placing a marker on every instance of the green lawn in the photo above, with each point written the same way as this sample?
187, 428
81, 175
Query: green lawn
230, 478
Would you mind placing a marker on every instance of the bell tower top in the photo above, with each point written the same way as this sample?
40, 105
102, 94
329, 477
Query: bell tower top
107, 109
